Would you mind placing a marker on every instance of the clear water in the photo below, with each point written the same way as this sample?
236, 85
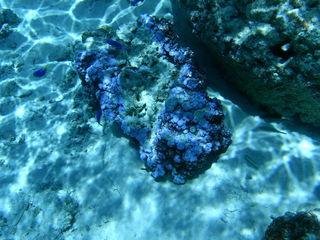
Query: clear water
63, 176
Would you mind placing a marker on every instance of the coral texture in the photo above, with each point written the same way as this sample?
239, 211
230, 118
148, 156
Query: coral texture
8, 20
297, 226
143, 80
273, 47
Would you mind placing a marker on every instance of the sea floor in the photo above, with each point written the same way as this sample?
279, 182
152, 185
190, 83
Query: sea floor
64, 176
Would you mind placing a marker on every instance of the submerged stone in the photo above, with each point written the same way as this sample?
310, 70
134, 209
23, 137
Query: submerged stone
8, 21
268, 49
302, 225
152, 88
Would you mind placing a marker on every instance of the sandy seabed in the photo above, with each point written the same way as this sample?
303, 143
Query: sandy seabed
64, 176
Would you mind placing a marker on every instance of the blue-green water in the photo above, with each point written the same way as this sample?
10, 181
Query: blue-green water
64, 176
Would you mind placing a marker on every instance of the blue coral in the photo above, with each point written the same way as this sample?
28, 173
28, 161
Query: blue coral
189, 126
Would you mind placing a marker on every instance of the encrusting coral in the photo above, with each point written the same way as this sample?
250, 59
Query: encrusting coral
152, 88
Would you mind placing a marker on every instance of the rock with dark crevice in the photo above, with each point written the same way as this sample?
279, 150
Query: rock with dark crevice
268, 49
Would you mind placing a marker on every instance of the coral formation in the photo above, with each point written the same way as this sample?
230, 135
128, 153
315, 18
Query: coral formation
273, 48
295, 226
8, 20
152, 88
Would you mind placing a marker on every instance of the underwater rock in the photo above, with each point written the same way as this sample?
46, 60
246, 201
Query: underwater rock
8, 21
272, 47
298, 226
143, 80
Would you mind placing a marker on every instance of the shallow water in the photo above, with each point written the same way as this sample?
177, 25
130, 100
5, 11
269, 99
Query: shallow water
64, 176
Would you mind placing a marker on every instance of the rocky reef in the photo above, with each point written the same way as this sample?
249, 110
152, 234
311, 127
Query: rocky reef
8, 21
143, 80
273, 47
298, 226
